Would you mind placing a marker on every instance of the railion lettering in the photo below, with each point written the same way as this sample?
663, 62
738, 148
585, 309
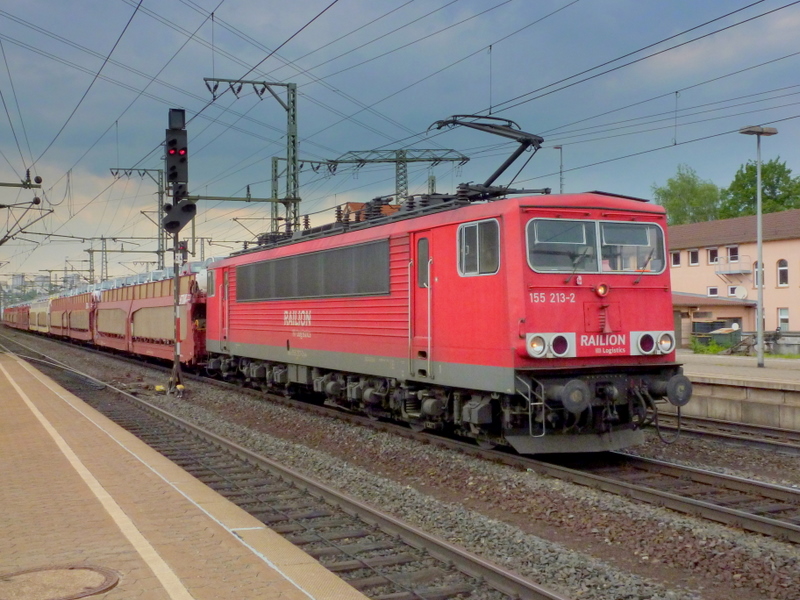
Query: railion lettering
604, 339
297, 318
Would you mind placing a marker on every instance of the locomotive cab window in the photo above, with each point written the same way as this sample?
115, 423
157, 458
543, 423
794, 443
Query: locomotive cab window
632, 247
479, 248
562, 245
569, 246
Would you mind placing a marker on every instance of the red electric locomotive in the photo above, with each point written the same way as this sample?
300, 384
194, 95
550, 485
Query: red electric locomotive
542, 322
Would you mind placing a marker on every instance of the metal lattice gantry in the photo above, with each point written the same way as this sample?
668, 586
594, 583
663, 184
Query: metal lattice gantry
401, 158
292, 198
118, 172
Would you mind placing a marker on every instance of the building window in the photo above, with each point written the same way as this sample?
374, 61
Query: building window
713, 292
756, 274
732, 290
783, 273
694, 257
783, 319
675, 259
713, 256
733, 254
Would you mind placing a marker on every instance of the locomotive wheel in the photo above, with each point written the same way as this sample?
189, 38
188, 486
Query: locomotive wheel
416, 426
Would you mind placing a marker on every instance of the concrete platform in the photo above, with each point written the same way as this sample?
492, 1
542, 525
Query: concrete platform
88, 508
781, 372
735, 388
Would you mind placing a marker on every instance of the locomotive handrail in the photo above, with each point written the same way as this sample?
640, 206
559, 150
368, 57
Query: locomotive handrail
410, 320
528, 397
430, 306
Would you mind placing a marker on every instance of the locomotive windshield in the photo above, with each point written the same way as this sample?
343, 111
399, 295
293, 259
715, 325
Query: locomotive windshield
560, 245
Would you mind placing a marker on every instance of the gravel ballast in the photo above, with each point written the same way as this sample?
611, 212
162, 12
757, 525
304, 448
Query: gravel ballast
578, 541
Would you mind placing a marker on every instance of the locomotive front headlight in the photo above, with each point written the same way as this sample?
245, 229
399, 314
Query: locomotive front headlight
601, 290
559, 345
666, 342
537, 346
646, 343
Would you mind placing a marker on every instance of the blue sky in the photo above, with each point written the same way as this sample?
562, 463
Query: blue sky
629, 89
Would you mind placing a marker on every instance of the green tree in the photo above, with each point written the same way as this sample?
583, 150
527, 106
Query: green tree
687, 198
779, 190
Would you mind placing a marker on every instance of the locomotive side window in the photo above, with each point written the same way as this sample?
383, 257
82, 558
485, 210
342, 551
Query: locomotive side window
479, 248
562, 245
631, 247
210, 289
422, 262
361, 270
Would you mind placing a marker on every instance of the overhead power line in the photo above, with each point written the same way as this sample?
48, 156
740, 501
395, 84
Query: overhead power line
86, 93
508, 104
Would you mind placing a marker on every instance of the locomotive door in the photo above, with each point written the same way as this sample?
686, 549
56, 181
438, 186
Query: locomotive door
224, 312
421, 284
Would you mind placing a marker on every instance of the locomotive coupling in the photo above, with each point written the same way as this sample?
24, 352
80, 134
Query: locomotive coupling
678, 389
575, 395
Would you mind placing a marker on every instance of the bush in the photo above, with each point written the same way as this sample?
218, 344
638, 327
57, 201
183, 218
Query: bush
711, 347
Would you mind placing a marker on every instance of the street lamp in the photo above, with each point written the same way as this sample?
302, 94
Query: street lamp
758, 132
560, 167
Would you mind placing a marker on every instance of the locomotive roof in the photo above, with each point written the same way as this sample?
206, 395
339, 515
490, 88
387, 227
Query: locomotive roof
373, 215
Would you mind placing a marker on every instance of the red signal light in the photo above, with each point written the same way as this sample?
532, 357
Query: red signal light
182, 152
173, 151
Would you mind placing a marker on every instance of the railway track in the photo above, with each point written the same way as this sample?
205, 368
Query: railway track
381, 556
771, 438
750, 505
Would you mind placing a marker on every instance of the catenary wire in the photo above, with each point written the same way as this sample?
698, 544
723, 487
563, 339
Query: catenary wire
86, 93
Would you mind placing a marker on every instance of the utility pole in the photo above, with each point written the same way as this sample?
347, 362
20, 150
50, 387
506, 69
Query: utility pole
291, 200
51, 287
176, 216
104, 252
159, 181
400, 158
15, 228
359, 158
69, 267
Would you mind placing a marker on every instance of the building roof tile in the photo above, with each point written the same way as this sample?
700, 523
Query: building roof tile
684, 299
782, 225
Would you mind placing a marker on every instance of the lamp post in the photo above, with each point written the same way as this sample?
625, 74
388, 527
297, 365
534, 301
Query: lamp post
758, 132
560, 168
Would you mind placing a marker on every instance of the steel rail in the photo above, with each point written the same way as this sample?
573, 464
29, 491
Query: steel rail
729, 516
754, 435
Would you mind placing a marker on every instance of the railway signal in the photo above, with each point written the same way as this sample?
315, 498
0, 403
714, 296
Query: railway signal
178, 214
182, 210
177, 156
